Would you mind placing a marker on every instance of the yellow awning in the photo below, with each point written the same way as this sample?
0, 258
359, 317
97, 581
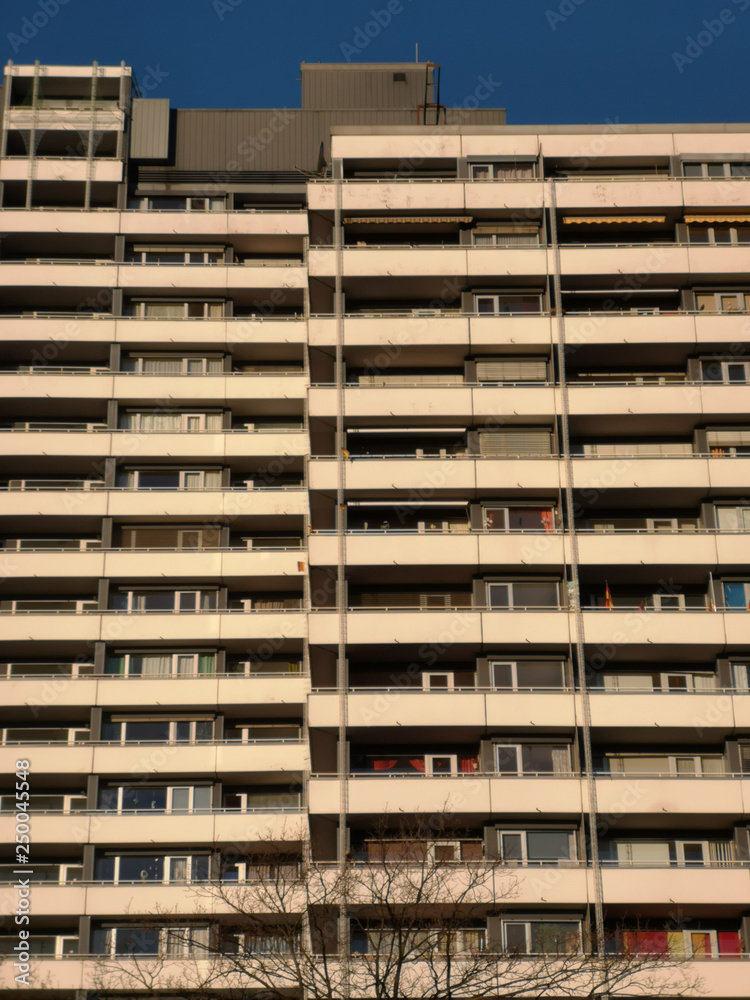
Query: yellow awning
717, 218
579, 219
409, 220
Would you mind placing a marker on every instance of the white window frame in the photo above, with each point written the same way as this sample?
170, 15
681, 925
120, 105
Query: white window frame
428, 675
76, 735
166, 878
496, 297
187, 251
660, 599
430, 758
506, 510
175, 667
185, 361
524, 859
513, 664
680, 853
742, 516
140, 308
136, 597
135, 418
79, 606
528, 923
166, 934
711, 231
493, 168
741, 676
711, 935
172, 730
740, 297
169, 808
724, 366
672, 761
192, 204
704, 164
433, 844
518, 747
134, 478
511, 606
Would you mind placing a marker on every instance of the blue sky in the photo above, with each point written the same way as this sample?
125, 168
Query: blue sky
546, 61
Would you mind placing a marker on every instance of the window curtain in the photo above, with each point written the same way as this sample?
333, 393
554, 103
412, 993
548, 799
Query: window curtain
548, 522
384, 765
157, 666
162, 366
164, 310
468, 765
417, 763
712, 765
206, 663
560, 760
720, 852
704, 682
156, 421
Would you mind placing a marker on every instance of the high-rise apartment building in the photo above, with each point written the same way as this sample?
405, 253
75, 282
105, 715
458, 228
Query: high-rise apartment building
371, 459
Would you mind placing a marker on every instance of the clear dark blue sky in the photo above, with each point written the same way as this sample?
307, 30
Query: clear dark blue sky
546, 61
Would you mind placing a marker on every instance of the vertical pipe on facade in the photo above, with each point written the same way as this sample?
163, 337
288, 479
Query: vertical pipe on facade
575, 595
91, 136
32, 133
341, 590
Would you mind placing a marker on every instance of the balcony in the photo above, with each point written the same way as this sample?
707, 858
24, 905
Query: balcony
634, 795
201, 628
438, 548
460, 625
444, 708
170, 830
430, 475
143, 692
95, 384
154, 444
475, 793
50, 168
223, 759
464, 402
417, 261
413, 327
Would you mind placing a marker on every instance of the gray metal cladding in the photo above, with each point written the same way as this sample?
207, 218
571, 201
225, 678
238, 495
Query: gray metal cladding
149, 134
333, 87
282, 138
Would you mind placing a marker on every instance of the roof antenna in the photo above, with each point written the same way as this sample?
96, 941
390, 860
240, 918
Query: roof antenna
416, 52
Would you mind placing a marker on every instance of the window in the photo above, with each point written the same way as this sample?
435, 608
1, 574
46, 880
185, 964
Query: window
519, 519
532, 758
741, 676
687, 765
167, 537
442, 680
520, 595
169, 479
505, 236
502, 170
176, 255
737, 169
165, 421
717, 370
175, 203
38, 734
164, 601
535, 937
529, 675
173, 941
156, 798
179, 309
164, 868
135, 729
511, 369
736, 595
733, 518
721, 302
504, 303
536, 847
726, 234
263, 798
62, 802
171, 364
160, 664
437, 764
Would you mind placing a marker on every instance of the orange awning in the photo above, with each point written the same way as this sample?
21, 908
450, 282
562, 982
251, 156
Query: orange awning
598, 219
409, 220
717, 218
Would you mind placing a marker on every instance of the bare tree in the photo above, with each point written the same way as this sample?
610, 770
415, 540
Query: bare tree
401, 922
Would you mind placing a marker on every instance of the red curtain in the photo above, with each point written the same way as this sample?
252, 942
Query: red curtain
646, 942
383, 765
547, 521
468, 765
729, 943
417, 763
